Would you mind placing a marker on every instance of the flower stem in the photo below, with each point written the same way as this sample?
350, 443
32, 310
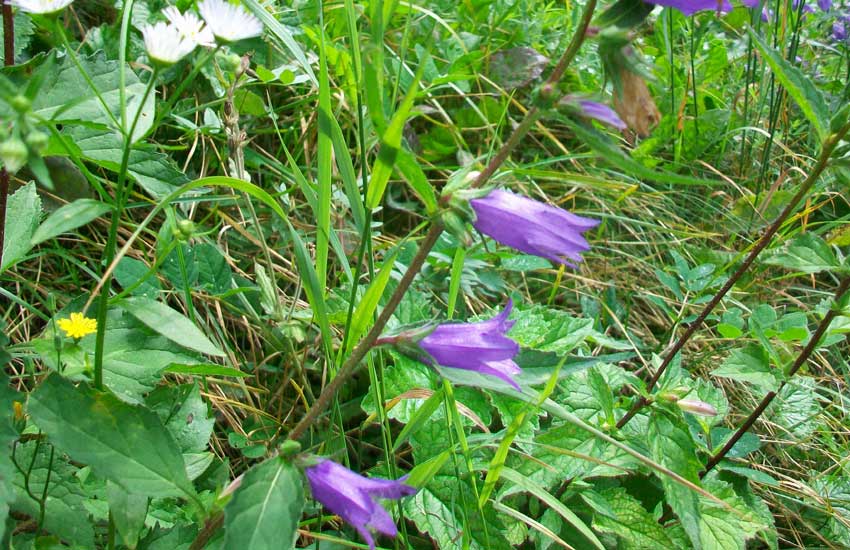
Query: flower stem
769, 397
823, 160
8, 60
359, 352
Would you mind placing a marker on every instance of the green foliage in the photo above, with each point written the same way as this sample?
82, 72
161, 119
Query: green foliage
264, 511
260, 217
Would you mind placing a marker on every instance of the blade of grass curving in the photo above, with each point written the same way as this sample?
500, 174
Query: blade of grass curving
552, 502
494, 470
279, 32
422, 415
315, 294
798, 86
369, 302
612, 154
324, 160
454, 283
391, 144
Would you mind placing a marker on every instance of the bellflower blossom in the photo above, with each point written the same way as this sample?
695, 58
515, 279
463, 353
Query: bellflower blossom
165, 44
190, 26
353, 497
480, 347
690, 7
532, 227
43, 7
229, 22
595, 110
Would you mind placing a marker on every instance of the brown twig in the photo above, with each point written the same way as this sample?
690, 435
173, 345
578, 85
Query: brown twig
769, 397
823, 160
8, 60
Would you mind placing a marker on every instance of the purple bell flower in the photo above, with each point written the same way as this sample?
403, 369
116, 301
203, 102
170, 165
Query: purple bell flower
601, 112
839, 31
690, 7
480, 347
825, 5
352, 497
532, 227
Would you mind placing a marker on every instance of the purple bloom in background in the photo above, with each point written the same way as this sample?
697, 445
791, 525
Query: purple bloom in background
825, 5
689, 7
839, 31
480, 347
532, 227
601, 112
352, 497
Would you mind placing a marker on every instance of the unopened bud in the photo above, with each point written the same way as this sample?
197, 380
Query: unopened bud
20, 103
695, 406
289, 448
13, 154
185, 230
37, 141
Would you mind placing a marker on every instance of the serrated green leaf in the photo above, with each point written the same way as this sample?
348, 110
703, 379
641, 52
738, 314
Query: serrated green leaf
749, 364
722, 528
671, 445
547, 329
169, 323
265, 510
23, 211
807, 253
634, 526
69, 217
124, 443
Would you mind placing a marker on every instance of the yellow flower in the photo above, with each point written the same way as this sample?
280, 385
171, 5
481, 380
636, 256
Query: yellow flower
78, 325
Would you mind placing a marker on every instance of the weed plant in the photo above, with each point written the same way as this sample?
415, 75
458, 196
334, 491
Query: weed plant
482, 275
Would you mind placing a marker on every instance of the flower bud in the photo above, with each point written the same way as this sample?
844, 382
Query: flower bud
289, 448
20, 103
185, 230
13, 154
695, 406
37, 141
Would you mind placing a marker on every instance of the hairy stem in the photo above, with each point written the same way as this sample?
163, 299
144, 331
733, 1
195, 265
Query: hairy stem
822, 162
769, 397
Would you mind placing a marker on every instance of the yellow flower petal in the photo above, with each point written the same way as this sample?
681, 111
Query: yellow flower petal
77, 325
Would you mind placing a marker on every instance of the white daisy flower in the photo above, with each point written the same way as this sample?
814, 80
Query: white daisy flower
165, 43
190, 26
229, 22
40, 6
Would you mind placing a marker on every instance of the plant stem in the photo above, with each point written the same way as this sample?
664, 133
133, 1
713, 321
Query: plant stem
8, 60
823, 160
359, 352
769, 397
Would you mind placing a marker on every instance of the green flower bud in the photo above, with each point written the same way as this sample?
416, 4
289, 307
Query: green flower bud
229, 62
13, 154
289, 448
20, 103
37, 141
185, 230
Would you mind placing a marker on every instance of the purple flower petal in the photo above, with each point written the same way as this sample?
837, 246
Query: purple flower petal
602, 113
352, 497
690, 7
532, 227
479, 347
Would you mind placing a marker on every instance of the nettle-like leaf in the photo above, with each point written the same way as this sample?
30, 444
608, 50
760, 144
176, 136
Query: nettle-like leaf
436, 510
65, 513
806, 252
796, 407
726, 527
23, 212
265, 510
671, 446
633, 527
750, 364
546, 329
